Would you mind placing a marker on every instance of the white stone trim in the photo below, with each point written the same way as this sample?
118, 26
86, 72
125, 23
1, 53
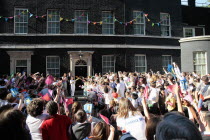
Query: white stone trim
19, 55
74, 56
29, 46
196, 38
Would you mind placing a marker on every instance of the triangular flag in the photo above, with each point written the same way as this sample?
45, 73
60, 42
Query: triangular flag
0, 16
6, 19
148, 20
30, 15
46, 97
89, 22
72, 20
158, 24
101, 22
37, 16
115, 20
153, 24
145, 15
104, 118
67, 20
50, 16
10, 17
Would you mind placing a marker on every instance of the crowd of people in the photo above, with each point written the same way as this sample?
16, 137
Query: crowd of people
118, 106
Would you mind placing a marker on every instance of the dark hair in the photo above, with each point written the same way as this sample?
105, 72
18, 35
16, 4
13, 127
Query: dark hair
52, 107
151, 127
81, 116
35, 107
106, 90
114, 89
12, 124
176, 126
3, 93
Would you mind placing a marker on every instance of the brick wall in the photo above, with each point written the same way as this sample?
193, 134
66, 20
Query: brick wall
122, 9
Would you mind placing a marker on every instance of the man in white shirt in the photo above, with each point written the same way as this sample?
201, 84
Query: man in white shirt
153, 99
35, 118
120, 88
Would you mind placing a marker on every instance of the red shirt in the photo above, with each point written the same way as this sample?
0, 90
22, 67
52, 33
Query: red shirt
56, 128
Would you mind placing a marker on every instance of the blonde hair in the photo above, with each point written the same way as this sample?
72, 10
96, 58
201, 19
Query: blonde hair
125, 106
101, 131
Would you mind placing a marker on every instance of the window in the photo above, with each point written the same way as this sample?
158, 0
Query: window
166, 59
199, 59
194, 31
189, 32
53, 22
53, 65
21, 21
108, 63
81, 22
140, 63
165, 24
139, 24
107, 22
21, 66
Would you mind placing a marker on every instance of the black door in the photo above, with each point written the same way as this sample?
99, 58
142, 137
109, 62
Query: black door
81, 71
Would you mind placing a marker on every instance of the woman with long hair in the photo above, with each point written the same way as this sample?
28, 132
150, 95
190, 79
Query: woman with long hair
75, 107
129, 120
103, 131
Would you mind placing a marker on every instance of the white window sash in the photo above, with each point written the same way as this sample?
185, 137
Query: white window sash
53, 21
18, 22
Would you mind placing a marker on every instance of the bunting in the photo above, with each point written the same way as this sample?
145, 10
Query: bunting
30, 15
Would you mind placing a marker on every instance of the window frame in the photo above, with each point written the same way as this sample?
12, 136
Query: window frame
171, 60
184, 31
103, 61
15, 16
52, 68
144, 60
113, 16
75, 21
194, 52
140, 23
165, 25
53, 21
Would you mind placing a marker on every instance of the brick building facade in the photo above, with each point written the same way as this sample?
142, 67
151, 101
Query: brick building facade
57, 46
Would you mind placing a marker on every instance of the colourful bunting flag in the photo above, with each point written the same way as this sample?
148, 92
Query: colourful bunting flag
89, 22
6, 19
101, 22
50, 16
10, 17
30, 15
115, 20
37, 16
72, 20
153, 24
61, 18
145, 15
148, 20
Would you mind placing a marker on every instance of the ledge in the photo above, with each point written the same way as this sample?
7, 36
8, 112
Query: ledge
196, 38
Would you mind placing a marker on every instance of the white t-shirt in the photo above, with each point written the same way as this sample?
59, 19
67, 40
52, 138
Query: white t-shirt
153, 95
108, 97
34, 124
135, 125
3, 102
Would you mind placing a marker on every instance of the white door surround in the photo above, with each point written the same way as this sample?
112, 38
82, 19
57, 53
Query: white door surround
19, 55
77, 55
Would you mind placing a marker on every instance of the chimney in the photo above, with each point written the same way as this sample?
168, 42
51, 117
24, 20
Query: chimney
191, 3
